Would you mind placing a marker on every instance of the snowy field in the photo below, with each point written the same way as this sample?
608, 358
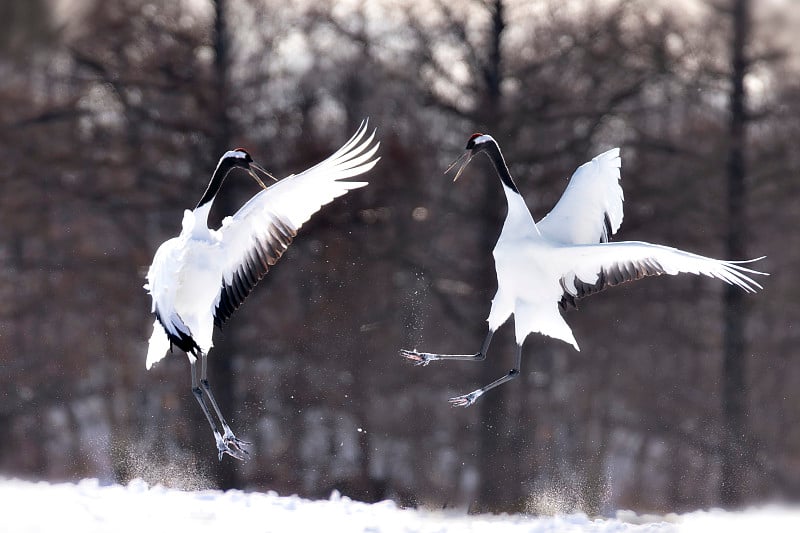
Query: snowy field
89, 507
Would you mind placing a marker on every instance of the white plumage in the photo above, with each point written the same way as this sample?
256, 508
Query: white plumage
590, 210
199, 278
548, 265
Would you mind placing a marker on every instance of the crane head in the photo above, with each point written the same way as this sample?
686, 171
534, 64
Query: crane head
478, 141
241, 158
240, 153
475, 143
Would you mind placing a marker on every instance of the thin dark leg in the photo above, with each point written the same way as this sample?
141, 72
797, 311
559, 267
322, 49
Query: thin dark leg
233, 445
207, 390
423, 358
468, 399
198, 394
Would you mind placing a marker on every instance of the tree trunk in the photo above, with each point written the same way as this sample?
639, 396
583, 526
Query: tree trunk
735, 455
220, 373
499, 450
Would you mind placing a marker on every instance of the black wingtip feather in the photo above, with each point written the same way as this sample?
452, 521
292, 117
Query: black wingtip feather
265, 252
607, 229
609, 277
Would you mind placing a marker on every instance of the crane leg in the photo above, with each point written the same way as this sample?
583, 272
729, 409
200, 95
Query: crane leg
423, 358
233, 445
468, 399
223, 445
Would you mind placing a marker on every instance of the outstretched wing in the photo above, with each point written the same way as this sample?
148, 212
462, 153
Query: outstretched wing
590, 210
588, 269
259, 233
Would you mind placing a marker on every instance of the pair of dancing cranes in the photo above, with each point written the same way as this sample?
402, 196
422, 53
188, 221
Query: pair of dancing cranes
199, 278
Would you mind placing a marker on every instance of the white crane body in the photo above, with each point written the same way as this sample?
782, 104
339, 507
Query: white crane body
546, 266
199, 278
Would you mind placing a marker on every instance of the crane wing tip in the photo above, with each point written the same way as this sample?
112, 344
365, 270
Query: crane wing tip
745, 261
613, 153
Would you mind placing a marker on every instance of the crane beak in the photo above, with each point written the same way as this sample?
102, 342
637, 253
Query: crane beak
263, 171
465, 157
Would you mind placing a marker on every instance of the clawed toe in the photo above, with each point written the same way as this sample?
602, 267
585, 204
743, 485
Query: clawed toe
411, 354
230, 438
418, 358
233, 446
238, 442
232, 449
464, 401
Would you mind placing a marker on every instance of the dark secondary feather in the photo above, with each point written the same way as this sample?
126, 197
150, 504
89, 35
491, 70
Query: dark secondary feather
183, 340
608, 230
267, 248
609, 277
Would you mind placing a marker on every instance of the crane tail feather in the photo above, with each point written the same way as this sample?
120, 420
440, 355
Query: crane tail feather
158, 346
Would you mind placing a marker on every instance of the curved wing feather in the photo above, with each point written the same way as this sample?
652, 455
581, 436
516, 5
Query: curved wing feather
589, 269
590, 210
259, 233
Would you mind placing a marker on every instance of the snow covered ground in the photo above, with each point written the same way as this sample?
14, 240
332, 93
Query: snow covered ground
89, 507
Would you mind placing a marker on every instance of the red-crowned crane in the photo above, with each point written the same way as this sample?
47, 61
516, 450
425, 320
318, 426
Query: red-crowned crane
546, 265
199, 278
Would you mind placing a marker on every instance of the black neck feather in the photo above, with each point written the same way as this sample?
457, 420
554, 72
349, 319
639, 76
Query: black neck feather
493, 151
225, 166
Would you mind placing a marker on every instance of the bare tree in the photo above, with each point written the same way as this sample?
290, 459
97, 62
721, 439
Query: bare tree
736, 452
111, 126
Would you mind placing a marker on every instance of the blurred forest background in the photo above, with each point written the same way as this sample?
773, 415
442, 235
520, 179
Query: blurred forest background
685, 395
